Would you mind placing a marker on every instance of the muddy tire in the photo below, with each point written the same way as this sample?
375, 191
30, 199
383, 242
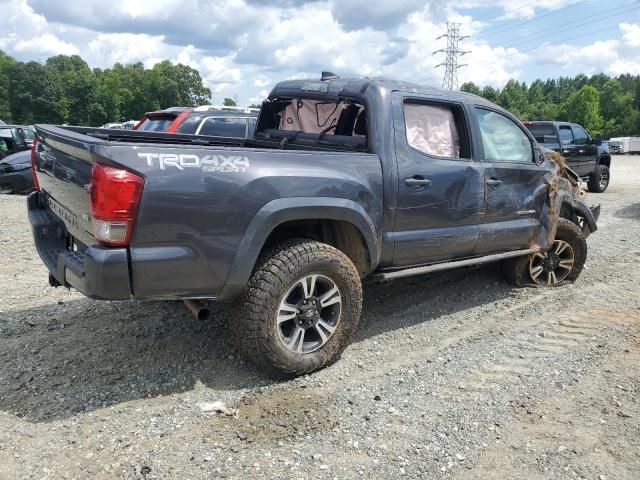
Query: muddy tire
561, 264
300, 309
599, 179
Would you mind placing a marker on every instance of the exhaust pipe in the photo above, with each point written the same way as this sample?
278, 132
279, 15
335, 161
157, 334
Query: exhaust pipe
198, 309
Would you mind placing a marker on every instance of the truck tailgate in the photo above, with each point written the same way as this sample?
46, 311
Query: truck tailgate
63, 163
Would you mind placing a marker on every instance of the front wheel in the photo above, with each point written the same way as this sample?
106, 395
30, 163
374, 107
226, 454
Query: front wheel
561, 263
599, 179
300, 309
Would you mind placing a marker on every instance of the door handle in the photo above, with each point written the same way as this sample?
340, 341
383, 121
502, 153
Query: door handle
493, 182
417, 181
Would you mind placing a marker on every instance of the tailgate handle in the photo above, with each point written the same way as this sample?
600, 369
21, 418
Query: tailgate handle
417, 181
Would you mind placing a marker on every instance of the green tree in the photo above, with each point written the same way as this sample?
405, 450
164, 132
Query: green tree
229, 102
583, 107
490, 94
514, 98
470, 87
6, 65
34, 94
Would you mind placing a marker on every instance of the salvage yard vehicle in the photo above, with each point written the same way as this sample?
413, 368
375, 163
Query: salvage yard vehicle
16, 174
588, 157
14, 138
344, 180
217, 121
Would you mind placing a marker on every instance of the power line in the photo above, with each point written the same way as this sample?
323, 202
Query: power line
452, 52
573, 37
504, 28
580, 23
488, 29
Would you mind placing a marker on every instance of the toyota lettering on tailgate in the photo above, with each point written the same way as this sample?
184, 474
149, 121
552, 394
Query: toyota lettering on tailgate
208, 163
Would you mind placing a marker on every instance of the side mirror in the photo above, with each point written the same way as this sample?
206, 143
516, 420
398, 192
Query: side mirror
598, 140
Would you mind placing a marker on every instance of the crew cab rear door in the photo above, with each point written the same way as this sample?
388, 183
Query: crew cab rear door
440, 184
515, 189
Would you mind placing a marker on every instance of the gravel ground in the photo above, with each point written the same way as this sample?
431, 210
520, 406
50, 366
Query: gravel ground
453, 375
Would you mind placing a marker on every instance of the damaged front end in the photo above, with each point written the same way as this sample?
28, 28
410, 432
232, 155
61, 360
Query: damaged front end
566, 199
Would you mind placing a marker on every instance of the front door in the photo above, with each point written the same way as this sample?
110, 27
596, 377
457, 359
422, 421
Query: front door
514, 184
440, 184
568, 148
586, 151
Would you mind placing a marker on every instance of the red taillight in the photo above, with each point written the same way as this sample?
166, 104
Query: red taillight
177, 122
115, 197
33, 164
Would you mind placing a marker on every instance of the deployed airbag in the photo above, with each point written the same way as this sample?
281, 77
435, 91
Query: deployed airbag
432, 130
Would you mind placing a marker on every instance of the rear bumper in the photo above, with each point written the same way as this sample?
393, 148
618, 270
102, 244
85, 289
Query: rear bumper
97, 272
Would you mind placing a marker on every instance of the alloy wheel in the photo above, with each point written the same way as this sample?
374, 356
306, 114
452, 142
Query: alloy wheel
553, 266
309, 313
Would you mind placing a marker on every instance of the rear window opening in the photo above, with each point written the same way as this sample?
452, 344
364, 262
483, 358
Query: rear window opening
342, 123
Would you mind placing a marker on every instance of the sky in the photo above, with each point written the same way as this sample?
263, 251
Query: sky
243, 47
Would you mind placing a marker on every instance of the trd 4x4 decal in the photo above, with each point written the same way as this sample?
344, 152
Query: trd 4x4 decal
208, 163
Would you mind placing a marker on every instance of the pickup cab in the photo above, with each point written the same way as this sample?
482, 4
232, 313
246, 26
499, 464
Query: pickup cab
344, 180
588, 157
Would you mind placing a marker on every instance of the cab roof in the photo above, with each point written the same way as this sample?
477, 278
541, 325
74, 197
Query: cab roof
355, 87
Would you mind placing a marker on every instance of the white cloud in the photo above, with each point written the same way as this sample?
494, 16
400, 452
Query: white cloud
45, 44
257, 100
28, 33
244, 46
631, 34
108, 48
614, 57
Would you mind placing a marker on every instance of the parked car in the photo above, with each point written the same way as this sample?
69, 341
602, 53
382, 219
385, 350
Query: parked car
630, 145
14, 138
586, 156
215, 121
345, 179
113, 125
15, 173
615, 147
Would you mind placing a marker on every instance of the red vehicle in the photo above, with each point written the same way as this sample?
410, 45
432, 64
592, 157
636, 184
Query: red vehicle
208, 120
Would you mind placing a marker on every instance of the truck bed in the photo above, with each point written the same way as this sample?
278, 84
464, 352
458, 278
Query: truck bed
199, 198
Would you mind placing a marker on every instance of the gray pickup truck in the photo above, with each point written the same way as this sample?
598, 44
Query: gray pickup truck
345, 179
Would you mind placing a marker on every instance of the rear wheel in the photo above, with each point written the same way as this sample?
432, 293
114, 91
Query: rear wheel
300, 310
561, 263
599, 179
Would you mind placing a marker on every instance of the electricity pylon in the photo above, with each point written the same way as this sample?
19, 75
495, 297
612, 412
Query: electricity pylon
452, 52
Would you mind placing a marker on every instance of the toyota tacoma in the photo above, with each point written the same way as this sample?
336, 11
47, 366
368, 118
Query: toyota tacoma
344, 180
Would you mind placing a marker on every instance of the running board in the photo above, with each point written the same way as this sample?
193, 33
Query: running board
408, 272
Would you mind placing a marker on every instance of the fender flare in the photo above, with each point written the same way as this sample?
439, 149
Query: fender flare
606, 157
580, 207
283, 210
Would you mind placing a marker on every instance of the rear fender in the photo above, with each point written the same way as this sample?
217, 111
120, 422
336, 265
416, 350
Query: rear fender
284, 210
